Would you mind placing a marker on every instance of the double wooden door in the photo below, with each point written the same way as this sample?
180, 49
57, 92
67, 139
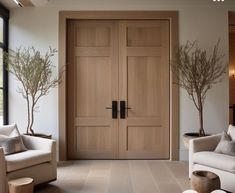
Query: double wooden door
118, 89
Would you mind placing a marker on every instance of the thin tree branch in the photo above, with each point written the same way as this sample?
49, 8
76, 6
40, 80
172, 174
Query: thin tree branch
34, 72
196, 71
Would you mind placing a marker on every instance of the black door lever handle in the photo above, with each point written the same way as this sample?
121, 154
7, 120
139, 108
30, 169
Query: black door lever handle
123, 109
114, 109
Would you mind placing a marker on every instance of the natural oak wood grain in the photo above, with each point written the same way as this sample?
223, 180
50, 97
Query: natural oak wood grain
65, 16
21, 185
231, 18
92, 86
231, 71
144, 84
231, 63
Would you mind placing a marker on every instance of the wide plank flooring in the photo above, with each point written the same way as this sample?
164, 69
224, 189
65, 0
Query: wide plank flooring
119, 176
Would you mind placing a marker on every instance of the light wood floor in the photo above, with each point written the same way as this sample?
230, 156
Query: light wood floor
120, 176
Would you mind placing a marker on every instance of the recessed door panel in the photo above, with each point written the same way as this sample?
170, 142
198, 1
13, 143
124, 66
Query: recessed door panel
142, 35
93, 139
92, 35
144, 83
93, 84
142, 138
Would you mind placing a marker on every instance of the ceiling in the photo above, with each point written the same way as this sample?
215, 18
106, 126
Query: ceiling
26, 3
65, 3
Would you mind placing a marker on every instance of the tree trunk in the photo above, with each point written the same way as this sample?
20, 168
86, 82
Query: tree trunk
201, 129
32, 118
28, 109
200, 111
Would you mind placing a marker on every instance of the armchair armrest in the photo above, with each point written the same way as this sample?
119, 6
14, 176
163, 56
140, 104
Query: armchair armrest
207, 143
2, 172
33, 143
37, 143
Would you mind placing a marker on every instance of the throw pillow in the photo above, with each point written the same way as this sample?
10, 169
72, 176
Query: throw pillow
10, 135
8, 129
231, 131
11, 145
226, 145
15, 133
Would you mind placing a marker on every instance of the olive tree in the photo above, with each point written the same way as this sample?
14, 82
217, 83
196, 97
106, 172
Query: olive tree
34, 71
196, 71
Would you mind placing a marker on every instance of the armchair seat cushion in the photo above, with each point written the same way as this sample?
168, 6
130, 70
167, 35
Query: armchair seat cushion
215, 160
26, 159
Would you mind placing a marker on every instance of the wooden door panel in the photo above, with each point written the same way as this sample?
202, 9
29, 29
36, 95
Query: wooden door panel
144, 85
89, 35
142, 138
94, 139
145, 142
140, 35
92, 86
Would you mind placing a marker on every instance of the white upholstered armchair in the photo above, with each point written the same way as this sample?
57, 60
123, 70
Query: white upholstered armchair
203, 157
38, 162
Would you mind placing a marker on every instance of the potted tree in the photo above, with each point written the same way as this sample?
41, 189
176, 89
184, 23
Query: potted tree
196, 71
34, 72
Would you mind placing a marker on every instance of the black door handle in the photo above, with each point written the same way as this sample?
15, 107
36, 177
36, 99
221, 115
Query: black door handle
123, 109
114, 109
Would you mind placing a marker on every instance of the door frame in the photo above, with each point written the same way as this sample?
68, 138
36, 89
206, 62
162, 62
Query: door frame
231, 19
172, 16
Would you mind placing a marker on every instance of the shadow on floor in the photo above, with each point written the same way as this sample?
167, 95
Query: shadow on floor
48, 188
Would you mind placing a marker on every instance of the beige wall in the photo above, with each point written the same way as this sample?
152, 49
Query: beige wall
201, 20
